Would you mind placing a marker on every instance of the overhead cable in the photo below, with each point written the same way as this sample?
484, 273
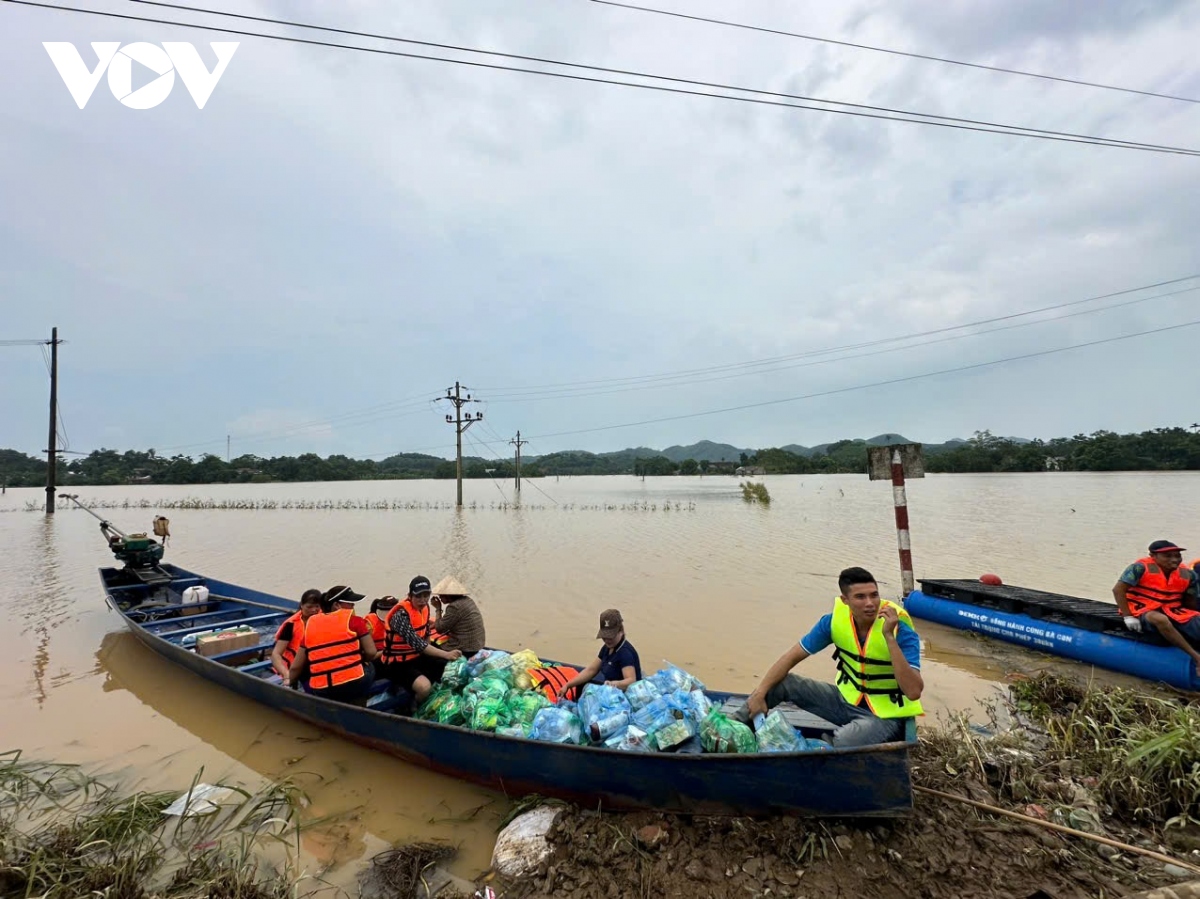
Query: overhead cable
856, 110
922, 56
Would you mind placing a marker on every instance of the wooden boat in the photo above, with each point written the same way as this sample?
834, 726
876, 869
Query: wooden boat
1072, 627
843, 782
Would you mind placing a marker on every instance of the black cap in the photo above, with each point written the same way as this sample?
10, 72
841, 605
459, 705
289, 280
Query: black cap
341, 594
419, 584
1164, 546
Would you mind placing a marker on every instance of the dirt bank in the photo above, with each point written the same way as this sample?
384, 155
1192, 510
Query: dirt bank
944, 850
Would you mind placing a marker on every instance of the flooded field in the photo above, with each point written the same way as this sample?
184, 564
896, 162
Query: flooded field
705, 580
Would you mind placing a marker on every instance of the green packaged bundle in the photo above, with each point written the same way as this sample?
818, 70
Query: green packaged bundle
428, 710
452, 710
719, 733
523, 706
455, 675
488, 687
489, 714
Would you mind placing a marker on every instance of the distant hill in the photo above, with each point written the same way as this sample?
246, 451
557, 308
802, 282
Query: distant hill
705, 451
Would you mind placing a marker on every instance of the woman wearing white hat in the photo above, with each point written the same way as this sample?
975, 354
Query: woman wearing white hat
459, 623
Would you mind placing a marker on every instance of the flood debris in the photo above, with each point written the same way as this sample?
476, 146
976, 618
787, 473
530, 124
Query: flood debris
409, 872
1120, 764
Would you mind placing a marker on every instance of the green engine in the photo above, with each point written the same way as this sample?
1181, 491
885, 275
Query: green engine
135, 550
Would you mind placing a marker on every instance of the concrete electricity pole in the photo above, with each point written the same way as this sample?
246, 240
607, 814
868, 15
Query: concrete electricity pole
52, 446
461, 423
518, 443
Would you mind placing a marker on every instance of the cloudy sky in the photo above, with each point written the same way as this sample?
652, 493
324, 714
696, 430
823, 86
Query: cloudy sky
338, 236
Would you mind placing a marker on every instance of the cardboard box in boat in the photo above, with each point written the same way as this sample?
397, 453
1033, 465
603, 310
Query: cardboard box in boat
226, 641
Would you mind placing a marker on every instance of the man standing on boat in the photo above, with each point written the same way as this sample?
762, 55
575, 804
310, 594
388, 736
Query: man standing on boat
1160, 591
878, 656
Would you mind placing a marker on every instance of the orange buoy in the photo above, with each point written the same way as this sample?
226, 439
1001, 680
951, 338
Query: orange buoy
992, 580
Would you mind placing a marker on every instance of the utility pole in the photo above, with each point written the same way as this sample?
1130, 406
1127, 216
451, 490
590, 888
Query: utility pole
461, 423
518, 443
52, 446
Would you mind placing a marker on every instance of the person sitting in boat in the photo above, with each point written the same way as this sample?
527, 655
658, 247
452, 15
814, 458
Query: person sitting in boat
337, 650
617, 664
379, 609
878, 656
1158, 590
457, 622
291, 632
410, 661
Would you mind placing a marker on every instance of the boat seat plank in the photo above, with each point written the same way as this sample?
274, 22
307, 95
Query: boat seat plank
180, 619
183, 632
255, 667
234, 653
792, 714
152, 609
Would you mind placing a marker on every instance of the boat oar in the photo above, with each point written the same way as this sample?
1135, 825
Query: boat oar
1062, 828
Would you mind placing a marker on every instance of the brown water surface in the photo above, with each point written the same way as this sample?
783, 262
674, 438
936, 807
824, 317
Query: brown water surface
711, 583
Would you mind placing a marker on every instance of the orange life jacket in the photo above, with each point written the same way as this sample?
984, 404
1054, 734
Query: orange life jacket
334, 654
378, 630
289, 651
395, 647
1155, 592
1194, 565
551, 680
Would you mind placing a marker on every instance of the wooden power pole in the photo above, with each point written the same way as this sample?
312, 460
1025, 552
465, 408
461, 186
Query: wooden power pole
461, 423
518, 443
52, 446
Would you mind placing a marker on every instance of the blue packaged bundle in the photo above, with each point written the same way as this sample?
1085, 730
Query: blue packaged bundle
814, 745
556, 725
657, 714
600, 701
774, 734
489, 660
672, 678
641, 693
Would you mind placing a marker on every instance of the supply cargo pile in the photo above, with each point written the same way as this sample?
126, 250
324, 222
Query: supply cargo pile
668, 711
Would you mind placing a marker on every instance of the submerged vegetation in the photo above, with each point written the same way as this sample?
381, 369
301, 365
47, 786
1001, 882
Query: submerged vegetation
380, 505
755, 493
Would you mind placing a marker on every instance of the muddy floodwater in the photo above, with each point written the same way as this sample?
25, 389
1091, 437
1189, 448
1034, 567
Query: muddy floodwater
703, 579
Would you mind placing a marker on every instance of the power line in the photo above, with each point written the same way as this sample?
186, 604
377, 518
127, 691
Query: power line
577, 394
890, 381
776, 360
857, 110
923, 56
615, 71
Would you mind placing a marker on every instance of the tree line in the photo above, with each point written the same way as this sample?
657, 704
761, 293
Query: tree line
1161, 449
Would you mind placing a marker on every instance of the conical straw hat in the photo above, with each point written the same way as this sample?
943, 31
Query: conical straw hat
450, 586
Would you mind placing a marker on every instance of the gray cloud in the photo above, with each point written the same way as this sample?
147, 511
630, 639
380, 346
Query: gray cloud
335, 231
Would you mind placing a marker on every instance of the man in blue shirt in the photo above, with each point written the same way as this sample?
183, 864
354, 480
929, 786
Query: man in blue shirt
879, 668
617, 665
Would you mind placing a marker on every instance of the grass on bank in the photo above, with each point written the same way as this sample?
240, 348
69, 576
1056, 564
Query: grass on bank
64, 835
1138, 753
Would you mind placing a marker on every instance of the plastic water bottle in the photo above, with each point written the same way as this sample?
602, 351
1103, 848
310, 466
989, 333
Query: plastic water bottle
607, 725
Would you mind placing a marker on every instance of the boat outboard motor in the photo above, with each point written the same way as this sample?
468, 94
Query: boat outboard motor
140, 553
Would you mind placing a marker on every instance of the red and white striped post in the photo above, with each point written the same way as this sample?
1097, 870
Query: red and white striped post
901, 500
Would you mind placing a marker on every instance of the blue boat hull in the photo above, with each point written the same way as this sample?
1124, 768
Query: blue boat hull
1146, 660
868, 781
